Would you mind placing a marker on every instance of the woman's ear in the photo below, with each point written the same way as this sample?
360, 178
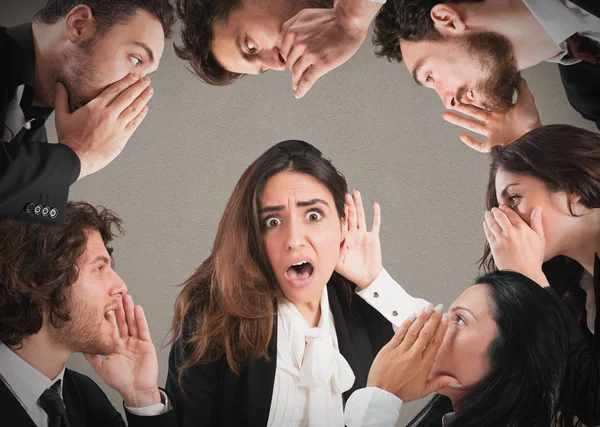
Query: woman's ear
80, 25
447, 20
575, 202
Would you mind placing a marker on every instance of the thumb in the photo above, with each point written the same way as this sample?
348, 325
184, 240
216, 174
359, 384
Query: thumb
524, 94
438, 383
61, 100
536, 222
94, 360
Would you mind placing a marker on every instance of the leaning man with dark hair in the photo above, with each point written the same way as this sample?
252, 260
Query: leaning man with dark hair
471, 53
88, 60
59, 295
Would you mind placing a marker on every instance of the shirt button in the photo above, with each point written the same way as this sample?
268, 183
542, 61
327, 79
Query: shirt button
394, 313
375, 294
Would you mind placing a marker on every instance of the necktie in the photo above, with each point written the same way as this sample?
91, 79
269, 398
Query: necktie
51, 402
584, 48
15, 118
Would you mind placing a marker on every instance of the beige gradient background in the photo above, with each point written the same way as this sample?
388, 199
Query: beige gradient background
384, 133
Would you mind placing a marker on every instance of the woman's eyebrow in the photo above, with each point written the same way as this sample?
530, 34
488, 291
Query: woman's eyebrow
505, 191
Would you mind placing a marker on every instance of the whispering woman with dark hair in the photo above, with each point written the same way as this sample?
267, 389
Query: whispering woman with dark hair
543, 221
506, 344
267, 330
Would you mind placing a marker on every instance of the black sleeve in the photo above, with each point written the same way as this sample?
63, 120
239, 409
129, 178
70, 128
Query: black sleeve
582, 386
97, 410
195, 392
34, 181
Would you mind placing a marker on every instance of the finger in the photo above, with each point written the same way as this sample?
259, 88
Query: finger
439, 383
351, 213
493, 226
295, 55
299, 68
401, 332
524, 94
61, 100
309, 78
360, 210
126, 98
465, 122
286, 38
95, 361
134, 124
142, 323
472, 111
112, 92
438, 337
536, 222
130, 314
482, 147
413, 332
136, 106
502, 220
121, 319
488, 234
376, 218
512, 216
427, 334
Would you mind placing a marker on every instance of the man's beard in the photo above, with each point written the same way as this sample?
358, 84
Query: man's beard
78, 74
83, 333
496, 54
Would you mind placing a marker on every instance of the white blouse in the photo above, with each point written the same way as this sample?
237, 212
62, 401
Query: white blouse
311, 373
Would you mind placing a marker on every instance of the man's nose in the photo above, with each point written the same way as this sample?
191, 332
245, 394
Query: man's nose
448, 98
272, 60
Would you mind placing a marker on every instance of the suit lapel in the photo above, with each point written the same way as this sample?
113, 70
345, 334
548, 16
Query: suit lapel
11, 409
261, 379
73, 402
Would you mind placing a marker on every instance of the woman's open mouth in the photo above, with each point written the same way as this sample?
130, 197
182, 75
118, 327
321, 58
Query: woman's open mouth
300, 273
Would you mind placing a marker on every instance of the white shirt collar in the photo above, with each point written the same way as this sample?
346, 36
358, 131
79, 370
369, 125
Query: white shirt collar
559, 20
24, 381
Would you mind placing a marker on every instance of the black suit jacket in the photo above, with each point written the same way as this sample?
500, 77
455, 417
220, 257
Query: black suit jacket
582, 386
212, 395
582, 80
87, 406
33, 174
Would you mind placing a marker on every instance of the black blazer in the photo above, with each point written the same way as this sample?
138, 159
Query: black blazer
33, 174
87, 406
212, 395
582, 386
582, 80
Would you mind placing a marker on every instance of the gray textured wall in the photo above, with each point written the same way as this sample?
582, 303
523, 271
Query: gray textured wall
383, 132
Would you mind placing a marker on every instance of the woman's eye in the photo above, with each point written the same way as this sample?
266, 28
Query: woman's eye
514, 199
136, 61
459, 320
313, 216
272, 222
251, 47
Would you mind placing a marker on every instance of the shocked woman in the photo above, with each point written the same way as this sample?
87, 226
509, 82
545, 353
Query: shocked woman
268, 331
544, 221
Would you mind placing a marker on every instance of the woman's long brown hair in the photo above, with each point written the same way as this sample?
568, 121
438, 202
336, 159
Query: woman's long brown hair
227, 306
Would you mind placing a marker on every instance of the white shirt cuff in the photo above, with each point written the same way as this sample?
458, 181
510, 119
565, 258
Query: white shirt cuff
378, 1
152, 410
389, 298
372, 407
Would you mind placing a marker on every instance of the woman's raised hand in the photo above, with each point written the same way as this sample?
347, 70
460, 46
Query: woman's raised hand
360, 252
514, 244
403, 366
